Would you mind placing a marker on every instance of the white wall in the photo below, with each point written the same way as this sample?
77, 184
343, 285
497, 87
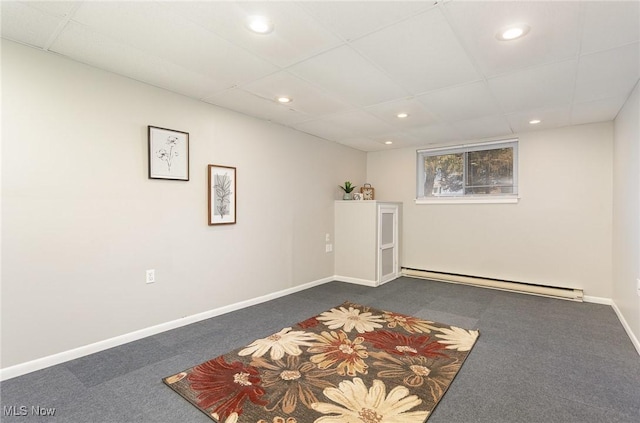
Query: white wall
626, 212
81, 221
559, 234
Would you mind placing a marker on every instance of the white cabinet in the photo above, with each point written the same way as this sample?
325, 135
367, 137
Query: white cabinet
367, 247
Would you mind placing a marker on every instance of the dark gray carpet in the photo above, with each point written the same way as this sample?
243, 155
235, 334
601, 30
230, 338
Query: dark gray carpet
537, 359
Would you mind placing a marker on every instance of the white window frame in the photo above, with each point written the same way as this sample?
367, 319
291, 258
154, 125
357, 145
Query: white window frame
466, 199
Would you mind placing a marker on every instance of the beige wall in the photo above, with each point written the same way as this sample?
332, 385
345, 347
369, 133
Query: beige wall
559, 234
81, 222
626, 212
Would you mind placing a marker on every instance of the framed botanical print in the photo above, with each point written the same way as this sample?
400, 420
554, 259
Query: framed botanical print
168, 154
222, 195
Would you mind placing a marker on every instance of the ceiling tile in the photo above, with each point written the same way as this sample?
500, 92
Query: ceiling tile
460, 103
418, 115
550, 118
252, 105
55, 8
349, 76
603, 16
359, 122
436, 134
351, 66
553, 35
306, 97
363, 144
422, 53
352, 19
597, 111
377, 143
296, 35
138, 24
324, 129
399, 139
535, 88
609, 73
27, 25
78, 43
489, 126
151, 28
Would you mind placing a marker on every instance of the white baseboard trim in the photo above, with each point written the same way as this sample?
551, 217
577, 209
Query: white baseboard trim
357, 281
52, 360
627, 328
597, 300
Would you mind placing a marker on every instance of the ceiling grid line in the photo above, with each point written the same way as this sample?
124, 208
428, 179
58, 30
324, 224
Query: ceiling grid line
581, 24
61, 27
474, 62
351, 67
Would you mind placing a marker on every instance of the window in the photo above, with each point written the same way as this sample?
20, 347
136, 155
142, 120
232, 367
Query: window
485, 172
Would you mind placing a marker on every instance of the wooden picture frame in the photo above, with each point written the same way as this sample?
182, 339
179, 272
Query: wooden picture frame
168, 154
222, 194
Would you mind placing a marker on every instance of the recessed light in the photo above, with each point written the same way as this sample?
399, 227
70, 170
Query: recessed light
260, 24
402, 115
535, 121
388, 142
513, 32
284, 99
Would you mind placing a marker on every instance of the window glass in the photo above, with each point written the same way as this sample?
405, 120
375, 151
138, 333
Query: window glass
444, 175
490, 171
479, 170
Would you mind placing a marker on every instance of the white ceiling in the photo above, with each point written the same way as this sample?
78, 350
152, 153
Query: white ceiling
351, 66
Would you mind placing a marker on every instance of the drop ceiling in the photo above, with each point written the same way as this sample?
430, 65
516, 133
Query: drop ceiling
352, 66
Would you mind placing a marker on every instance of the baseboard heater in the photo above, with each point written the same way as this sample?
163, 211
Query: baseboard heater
525, 288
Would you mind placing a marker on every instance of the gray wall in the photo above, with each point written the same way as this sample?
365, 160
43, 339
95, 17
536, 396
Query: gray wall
626, 211
81, 222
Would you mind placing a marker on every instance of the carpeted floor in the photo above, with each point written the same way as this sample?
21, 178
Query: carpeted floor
537, 360
351, 363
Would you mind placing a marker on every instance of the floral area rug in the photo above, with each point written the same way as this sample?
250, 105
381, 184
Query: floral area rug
351, 364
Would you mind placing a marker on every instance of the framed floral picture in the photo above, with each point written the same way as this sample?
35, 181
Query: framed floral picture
168, 154
222, 195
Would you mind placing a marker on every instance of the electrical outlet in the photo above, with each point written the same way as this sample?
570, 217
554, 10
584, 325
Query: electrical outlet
638, 287
328, 248
151, 276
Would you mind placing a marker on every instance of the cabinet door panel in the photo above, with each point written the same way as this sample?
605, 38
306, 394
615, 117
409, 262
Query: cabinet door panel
387, 243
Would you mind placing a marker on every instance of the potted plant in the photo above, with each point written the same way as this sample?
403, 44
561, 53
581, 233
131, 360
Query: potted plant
347, 188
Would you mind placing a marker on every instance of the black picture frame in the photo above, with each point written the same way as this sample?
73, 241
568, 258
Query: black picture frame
168, 154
